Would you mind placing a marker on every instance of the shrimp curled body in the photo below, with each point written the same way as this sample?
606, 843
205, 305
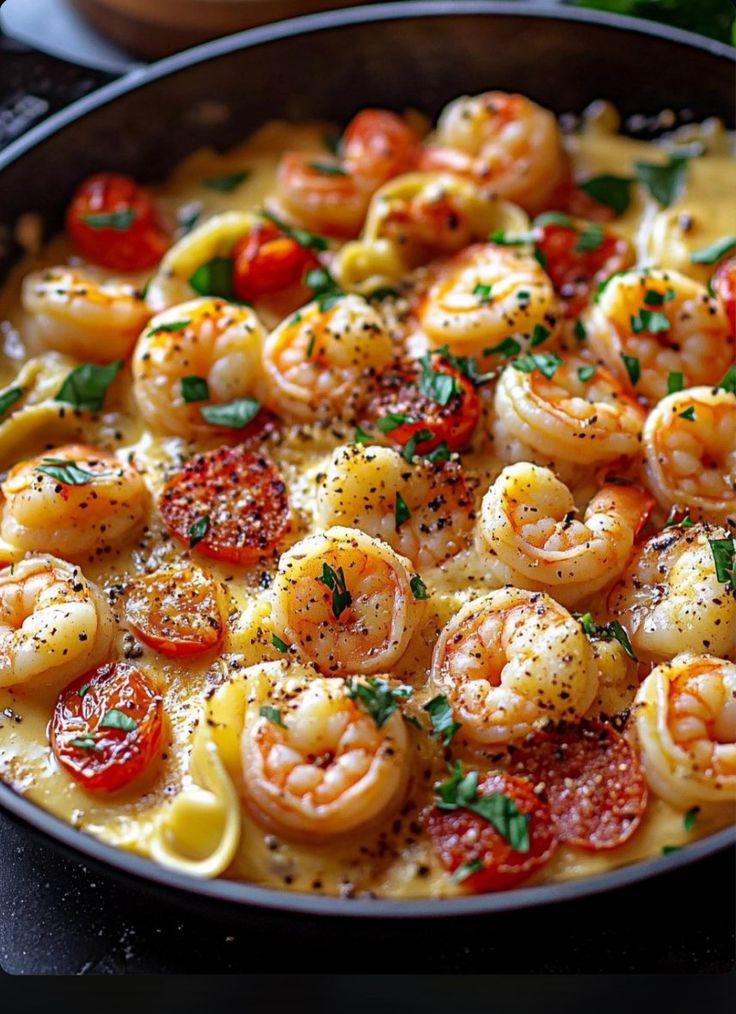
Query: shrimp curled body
511, 659
43, 513
685, 722
72, 312
54, 623
528, 521
346, 600
203, 339
324, 768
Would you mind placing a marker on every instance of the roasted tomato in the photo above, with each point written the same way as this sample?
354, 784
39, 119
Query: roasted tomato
470, 845
429, 400
578, 256
107, 727
378, 145
724, 286
176, 611
111, 221
230, 503
592, 781
267, 261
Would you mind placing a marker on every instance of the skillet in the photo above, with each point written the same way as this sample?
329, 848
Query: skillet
328, 66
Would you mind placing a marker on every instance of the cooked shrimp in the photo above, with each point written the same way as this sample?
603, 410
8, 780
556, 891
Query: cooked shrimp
685, 722
667, 323
690, 447
511, 659
485, 295
505, 142
669, 598
528, 522
320, 361
581, 414
314, 763
54, 623
618, 678
72, 501
424, 510
346, 600
72, 312
332, 197
204, 340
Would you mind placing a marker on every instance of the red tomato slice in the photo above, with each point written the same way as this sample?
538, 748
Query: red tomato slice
107, 727
724, 286
592, 781
268, 261
400, 395
241, 495
175, 611
378, 145
464, 838
132, 241
575, 273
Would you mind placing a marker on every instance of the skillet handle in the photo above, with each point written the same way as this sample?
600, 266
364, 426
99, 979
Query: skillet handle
34, 85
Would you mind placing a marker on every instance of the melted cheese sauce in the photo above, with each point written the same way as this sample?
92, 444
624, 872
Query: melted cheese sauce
394, 858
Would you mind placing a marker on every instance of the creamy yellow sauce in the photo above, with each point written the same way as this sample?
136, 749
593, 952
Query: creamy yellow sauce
395, 858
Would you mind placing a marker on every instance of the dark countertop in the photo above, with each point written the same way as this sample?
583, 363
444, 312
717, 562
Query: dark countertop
60, 917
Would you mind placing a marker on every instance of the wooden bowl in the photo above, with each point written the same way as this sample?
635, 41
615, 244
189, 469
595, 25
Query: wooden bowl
155, 28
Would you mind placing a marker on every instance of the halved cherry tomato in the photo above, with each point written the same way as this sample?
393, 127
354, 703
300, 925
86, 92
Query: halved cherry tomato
400, 395
175, 610
592, 781
724, 286
132, 241
231, 501
107, 727
266, 261
378, 145
575, 272
464, 838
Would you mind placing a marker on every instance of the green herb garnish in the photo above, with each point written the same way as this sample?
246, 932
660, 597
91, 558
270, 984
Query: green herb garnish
234, 414
688, 820
461, 791
612, 631
545, 362
401, 511
280, 645
327, 168
198, 529
612, 191
87, 385
586, 372
194, 389
443, 723
214, 278
66, 472
506, 348
665, 182
418, 588
300, 236
335, 581
483, 292
633, 368
227, 182
377, 697
539, 335
713, 253
675, 383
653, 321
176, 325
724, 552
272, 714
119, 220
688, 414
9, 397
117, 719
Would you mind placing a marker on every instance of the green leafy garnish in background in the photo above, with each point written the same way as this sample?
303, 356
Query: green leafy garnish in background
714, 18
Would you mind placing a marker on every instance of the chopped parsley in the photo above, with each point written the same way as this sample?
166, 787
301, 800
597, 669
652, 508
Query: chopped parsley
401, 511
612, 631
539, 334
9, 397
466, 870
321, 282
194, 389
300, 236
310, 345
688, 820
499, 236
377, 697
119, 220
84, 688
436, 385
633, 368
225, 184
86, 385
675, 383
460, 791
327, 168
440, 453
114, 718
392, 420
483, 292
612, 191
653, 321
234, 414
418, 588
665, 182
654, 298
443, 722
713, 253
579, 330
198, 529
669, 849
335, 581
410, 447
506, 348
175, 325
688, 414
675, 521
66, 471
214, 278
272, 714
724, 552
545, 362
554, 218
280, 645
85, 743
728, 380
585, 373
589, 238
360, 436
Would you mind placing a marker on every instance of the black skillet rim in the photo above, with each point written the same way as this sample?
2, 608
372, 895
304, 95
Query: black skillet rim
240, 893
